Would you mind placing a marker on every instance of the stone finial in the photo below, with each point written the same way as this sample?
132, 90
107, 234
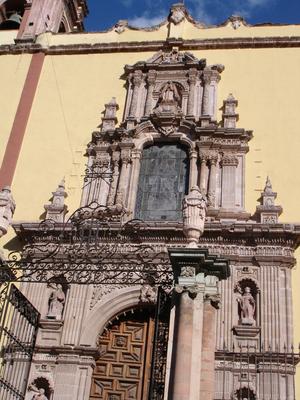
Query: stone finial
177, 13
194, 211
110, 120
236, 21
57, 209
121, 26
267, 212
229, 116
7, 209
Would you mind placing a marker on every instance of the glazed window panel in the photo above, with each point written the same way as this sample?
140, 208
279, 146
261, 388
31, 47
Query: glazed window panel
163, 182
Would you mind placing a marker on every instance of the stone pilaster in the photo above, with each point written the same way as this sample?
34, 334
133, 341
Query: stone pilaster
121, 197
136, 155
211, 76
191, 99
193, 168
151, 81
229, 166
212, 186
136, 82
115, 161
203, 172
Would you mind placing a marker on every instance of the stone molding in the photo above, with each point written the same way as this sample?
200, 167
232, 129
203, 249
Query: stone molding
117, 47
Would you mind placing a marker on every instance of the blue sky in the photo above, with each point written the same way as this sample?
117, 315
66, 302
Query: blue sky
140, 13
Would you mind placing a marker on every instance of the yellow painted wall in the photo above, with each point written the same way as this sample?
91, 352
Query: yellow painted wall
13, 74
74, 88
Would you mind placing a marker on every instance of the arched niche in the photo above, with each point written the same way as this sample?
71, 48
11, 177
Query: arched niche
110, 306
40, 382
163, 181
250, 286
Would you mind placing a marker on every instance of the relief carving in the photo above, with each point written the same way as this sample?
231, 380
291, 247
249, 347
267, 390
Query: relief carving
194, 208
148, 294
177, 14
7, 209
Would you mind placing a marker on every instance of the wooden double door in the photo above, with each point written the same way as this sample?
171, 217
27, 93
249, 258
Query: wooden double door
123, 370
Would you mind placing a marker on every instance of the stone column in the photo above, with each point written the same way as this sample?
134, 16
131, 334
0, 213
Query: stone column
193, 168
191, 99
135, 170
229, 165
121, 196
203, 172
206, 92
207, 388
137, 80
197, 275
115, 160
211, 77
183, 346
212, 186
149, 99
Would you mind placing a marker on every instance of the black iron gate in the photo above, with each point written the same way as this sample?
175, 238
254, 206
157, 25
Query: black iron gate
18, 327
160, 345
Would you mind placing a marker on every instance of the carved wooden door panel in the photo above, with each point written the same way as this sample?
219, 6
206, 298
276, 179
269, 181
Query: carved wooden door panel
123, 369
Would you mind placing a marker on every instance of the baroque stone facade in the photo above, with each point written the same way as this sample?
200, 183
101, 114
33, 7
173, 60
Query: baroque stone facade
161, 278
245, 309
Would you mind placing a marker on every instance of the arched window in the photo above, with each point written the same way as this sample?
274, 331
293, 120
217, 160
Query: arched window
163, 182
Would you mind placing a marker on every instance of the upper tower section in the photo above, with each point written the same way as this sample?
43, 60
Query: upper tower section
33, 17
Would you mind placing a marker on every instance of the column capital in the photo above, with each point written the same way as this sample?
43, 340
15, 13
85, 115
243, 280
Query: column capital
230, 159
137, 78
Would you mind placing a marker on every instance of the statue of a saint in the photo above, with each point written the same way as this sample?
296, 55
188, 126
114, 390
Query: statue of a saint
170, 93
40, 395
247, 307
56, 303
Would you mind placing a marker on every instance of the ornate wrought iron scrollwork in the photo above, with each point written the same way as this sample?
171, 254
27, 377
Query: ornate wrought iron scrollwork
160, 345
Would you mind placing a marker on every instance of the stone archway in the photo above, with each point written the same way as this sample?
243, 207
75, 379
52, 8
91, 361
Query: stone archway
124, 366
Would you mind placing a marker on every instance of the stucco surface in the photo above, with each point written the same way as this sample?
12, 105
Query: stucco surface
13, 74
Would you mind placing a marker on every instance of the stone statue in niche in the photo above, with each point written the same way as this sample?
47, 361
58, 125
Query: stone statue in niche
56, 303
40, 395
169, 99
246, 307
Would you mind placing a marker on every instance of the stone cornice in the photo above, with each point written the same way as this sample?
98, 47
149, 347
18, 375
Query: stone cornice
119, 47
246, 234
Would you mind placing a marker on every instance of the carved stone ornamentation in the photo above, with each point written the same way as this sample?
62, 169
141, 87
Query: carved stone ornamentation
194, 212
177, 13
148, 294
7, 209
267, 212
57, 209
236, 21
110, 120
229, 116
121, 26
